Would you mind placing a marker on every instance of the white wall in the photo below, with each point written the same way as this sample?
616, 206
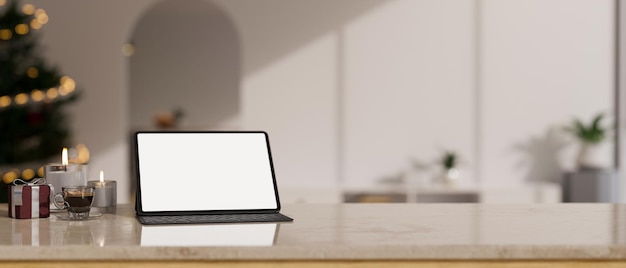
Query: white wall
294, 100
408, 89
544, 63
293, 73
352, 90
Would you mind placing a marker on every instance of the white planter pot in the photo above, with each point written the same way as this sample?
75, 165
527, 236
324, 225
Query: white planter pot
593, 156
451, 176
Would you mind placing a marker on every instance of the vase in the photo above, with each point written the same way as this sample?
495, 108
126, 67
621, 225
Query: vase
591, 156
451, 176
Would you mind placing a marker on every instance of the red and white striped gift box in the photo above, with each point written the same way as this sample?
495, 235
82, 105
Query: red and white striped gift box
29, 201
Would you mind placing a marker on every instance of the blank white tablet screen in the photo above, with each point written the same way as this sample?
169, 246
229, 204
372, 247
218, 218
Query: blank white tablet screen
205, 171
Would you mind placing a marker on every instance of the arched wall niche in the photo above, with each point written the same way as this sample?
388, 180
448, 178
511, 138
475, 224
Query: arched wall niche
186, 58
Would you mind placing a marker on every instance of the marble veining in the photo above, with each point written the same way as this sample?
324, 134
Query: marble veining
345, 231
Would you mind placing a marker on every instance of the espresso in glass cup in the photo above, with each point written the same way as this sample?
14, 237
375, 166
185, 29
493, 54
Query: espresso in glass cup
77, 200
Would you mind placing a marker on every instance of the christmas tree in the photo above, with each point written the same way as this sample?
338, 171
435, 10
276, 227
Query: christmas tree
33, 95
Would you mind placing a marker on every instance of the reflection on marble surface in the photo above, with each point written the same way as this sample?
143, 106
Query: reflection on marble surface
263, 234
34, 233
346, 231
74, 233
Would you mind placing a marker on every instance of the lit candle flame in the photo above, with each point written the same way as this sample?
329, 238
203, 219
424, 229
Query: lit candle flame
64, 160
101, 176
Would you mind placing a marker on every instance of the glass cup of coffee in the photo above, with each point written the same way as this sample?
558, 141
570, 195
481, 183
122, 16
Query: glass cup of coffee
77, 200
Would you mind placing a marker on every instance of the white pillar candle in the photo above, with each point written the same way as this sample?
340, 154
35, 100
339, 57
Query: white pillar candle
105, 196
65, 174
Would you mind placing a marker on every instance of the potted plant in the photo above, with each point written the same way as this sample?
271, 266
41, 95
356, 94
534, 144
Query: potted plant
594, 181
451, 173
169, 120
590, 137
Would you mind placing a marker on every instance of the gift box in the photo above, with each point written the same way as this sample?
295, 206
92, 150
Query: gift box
29, 201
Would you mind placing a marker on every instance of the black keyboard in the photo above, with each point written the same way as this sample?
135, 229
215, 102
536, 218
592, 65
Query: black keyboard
229, 218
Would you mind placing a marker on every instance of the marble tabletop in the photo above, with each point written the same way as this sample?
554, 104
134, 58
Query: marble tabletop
336, 232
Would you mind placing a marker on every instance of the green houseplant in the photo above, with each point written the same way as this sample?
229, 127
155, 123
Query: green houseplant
449, 162
590, 136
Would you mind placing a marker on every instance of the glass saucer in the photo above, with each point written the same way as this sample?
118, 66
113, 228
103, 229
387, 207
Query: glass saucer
56, 210
92, 216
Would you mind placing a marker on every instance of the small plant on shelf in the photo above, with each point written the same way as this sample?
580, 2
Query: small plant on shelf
451, 173
593, 133
449, 160
590, 137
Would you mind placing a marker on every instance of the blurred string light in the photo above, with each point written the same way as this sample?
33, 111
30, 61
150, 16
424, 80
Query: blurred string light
21, 99
35, 24
128, 49
40, 18
52, 93
5, 101
66, 87
32, 72
21, 29
9, 177
28, 9
37, 95
78, 154
28, 174
5, 34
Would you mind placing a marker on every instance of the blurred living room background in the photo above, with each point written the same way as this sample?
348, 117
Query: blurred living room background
363, 100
